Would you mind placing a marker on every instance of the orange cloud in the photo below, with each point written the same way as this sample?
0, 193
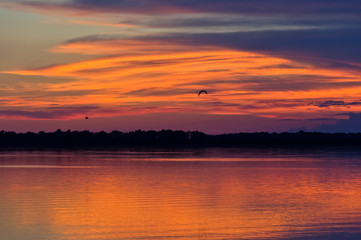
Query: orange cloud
156, 76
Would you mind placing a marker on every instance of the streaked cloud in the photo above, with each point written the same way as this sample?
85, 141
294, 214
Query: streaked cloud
237, 81
289, 7
332, 48
331, 103
262, 59
50, 113
322, 119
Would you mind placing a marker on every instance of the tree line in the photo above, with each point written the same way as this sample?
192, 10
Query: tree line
170, 138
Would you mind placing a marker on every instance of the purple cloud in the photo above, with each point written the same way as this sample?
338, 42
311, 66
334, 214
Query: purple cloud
353, 124
289, 7
330, 103
50, 113
334, 48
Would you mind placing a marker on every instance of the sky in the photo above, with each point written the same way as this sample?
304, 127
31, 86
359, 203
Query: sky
266, 65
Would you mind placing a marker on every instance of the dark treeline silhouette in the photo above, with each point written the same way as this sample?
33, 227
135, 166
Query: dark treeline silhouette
169, 138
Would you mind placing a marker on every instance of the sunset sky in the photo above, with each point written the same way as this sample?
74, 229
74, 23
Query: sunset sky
267, 65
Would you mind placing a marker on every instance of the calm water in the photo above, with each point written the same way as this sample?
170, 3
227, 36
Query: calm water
189, 194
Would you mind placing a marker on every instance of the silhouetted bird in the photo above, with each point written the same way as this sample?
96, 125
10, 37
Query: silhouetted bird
86, 118
202, 91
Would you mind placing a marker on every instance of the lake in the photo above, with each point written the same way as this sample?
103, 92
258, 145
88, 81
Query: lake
180, 194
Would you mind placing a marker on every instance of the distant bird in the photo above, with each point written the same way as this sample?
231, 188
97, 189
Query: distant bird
202, 91
86, 118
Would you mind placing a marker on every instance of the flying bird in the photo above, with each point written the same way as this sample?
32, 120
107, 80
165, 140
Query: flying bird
86, 118
202, 91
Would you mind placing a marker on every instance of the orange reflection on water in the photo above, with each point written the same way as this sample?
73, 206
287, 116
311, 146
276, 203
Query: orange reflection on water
253, 199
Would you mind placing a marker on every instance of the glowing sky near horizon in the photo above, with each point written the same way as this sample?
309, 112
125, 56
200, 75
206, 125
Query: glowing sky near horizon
285, 63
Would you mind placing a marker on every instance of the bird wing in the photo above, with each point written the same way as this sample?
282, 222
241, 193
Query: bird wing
202, 91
